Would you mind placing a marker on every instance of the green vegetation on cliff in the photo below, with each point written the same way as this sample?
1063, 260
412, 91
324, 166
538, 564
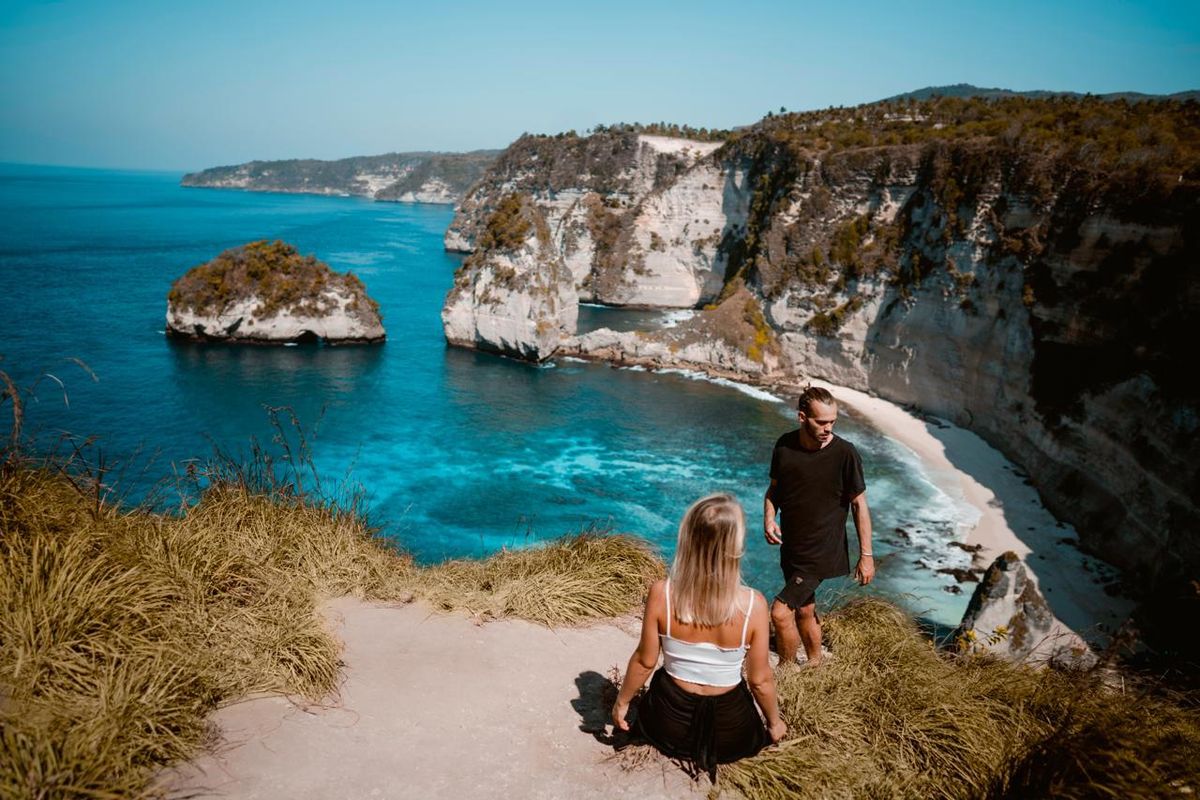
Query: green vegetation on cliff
457, 171
1065, 155
508, 226
1152, 137
397, 172
670, 129
276, 275
555, 163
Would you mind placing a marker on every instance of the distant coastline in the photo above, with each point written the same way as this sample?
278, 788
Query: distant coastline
423, 177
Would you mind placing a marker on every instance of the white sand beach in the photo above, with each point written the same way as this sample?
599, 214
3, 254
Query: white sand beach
1011, 513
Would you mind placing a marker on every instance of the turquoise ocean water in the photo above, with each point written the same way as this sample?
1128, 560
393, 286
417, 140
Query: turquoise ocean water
460, 453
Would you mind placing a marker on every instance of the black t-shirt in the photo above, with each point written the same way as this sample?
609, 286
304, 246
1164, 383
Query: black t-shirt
813, 491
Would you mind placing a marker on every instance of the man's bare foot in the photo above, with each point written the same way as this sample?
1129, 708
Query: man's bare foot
803, 660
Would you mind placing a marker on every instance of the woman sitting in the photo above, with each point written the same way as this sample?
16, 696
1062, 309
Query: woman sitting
707, 624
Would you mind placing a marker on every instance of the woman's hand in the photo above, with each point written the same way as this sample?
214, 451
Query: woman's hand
619, 710
778, 730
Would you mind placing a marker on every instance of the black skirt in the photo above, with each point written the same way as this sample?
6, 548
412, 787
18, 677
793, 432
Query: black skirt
707, 729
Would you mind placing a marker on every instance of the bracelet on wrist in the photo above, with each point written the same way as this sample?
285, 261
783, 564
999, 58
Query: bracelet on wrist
866, 555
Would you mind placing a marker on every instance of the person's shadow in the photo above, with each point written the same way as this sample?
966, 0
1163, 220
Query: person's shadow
597, 693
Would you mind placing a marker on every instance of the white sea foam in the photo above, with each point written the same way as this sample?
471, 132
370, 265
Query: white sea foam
585, 459
673, 318
358, 258
753, 391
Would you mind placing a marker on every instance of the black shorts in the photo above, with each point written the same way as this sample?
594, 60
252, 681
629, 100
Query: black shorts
799, 589
707, 729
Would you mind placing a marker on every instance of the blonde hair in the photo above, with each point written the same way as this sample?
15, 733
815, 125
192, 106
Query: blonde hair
706, 573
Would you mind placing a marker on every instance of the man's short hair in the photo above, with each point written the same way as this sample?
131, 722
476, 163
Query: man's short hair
814, 394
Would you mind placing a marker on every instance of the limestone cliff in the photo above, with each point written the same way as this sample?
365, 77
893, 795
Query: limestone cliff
731, 339
400, 177
1025, 268
513, 295
637, 219
267, 293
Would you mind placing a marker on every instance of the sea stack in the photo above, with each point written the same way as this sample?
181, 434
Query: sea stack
267, 293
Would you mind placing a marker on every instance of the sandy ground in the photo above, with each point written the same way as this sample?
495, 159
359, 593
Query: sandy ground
1012, 517
433, 705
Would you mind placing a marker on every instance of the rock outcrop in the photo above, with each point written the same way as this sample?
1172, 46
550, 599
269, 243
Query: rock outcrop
398, 177
267, 293
1024, 268
1007, 616
731, 340
513, 295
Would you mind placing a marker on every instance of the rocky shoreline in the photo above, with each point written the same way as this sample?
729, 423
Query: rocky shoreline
438, 178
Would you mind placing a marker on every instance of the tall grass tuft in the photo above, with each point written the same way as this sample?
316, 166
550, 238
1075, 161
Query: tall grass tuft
891, 717
120, 631
572, 580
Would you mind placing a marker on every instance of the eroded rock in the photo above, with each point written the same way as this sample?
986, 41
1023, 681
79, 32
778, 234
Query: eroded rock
1008, 617
267, 293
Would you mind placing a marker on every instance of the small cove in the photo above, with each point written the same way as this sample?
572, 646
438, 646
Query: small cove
460, 453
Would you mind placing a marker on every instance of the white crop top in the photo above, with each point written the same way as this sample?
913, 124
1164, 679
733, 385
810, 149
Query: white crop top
703, 662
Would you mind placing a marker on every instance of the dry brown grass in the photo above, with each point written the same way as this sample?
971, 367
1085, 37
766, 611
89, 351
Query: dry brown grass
575, 579
120, 631
891, 717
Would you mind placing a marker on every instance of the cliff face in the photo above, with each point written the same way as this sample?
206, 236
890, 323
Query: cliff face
513, 295
267, 293
1050, 326
1023, 268
400, 177
638, 220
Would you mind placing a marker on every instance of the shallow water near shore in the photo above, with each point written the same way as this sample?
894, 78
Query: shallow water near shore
460, 453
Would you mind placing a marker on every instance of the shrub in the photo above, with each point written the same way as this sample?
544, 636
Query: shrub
273, 272
508, 226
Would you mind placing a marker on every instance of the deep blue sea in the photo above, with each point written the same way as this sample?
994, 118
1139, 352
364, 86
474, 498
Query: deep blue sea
460, 453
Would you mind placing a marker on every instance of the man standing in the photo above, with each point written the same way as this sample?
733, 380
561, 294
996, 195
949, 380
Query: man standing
815, 478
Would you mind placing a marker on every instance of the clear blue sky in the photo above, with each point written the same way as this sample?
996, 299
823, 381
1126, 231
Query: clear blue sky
183, 85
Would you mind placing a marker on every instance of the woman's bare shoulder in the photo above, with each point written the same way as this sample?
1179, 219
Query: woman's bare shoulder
657, 593
761, 604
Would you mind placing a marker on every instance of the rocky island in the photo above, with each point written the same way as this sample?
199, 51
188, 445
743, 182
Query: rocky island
267, 293
397, 177
1022, 267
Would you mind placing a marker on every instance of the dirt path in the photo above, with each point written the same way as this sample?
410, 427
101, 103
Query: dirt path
433, 705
